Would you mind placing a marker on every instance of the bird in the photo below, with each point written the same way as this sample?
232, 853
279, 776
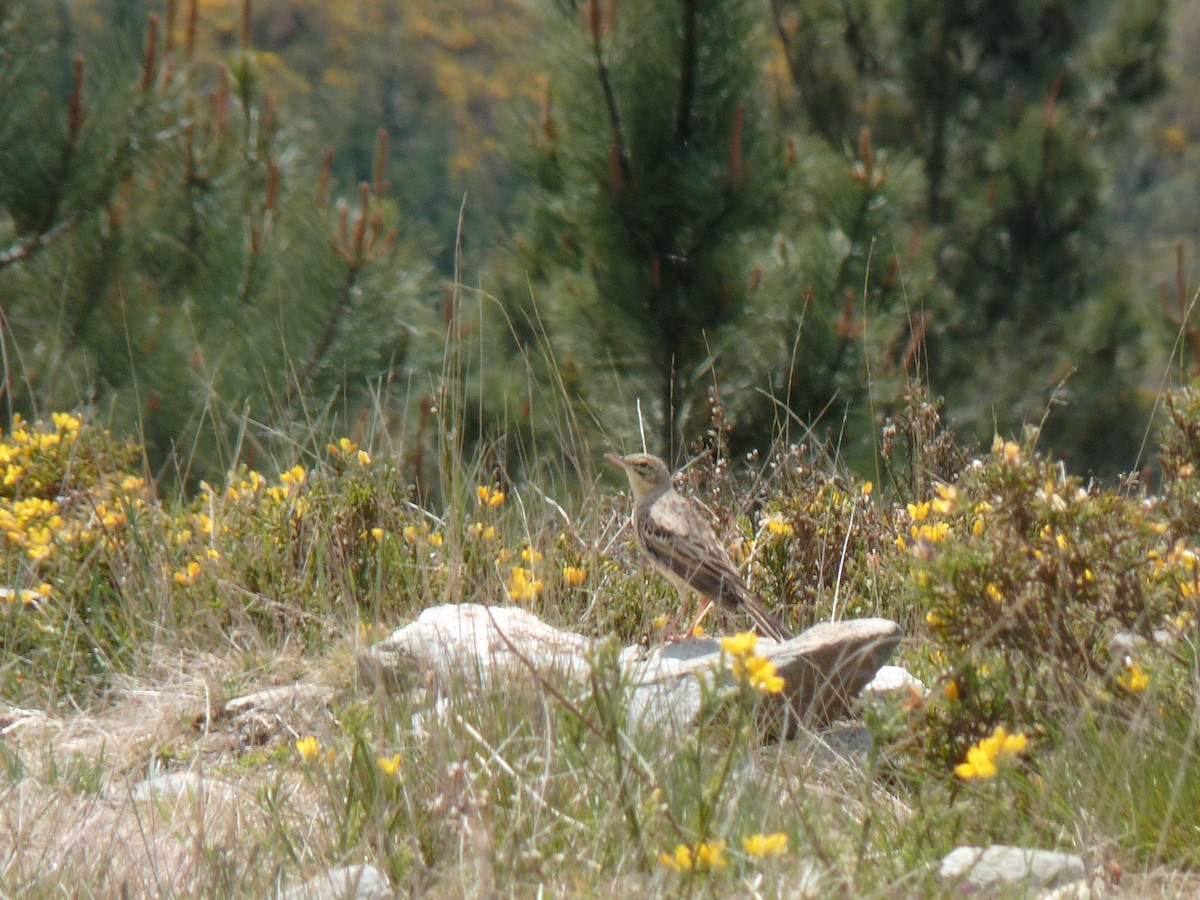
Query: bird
672, 532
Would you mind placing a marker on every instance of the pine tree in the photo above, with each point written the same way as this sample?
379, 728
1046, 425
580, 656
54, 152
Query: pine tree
1013, 110
682, 250
176, 257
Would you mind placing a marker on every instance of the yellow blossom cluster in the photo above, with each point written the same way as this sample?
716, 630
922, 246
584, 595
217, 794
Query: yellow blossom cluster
1009, 451
488, 496
26, 596
756, 671
1133, 679
764, 845
422, 534
389, 765
242, 484
778, 526
24, 444
308, 748
32, 525
522, 585
708, 854
984, 759
922, 529
347, 449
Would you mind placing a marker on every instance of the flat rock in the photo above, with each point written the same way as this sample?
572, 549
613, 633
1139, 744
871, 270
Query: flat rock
977, 868
457, 640
824, 669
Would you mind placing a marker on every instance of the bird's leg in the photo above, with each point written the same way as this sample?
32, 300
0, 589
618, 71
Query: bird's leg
705, 606
671, 634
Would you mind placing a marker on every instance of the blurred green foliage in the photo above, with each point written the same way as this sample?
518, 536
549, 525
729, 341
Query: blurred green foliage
679, 220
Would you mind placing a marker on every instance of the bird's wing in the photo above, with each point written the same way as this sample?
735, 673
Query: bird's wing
684, 544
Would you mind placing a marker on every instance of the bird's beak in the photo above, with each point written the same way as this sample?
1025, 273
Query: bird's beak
613, 458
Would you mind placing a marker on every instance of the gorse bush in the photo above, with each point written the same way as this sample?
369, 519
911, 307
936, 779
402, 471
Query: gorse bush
1042, 596
205, 273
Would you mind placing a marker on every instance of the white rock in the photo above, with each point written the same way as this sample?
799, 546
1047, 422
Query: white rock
823, 669
464, 639
977, 867
894, 678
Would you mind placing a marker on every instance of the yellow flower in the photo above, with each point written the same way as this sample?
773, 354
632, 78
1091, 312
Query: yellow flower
489, 496
866, 488
523, 586
660, 621
294, 475
66, 422
308, 748
435, 539
27, 596
761, 675
680, 860
389, 765
947, 499
994, 593
764, 845
983, 759
189, 574
530, 555
933, 533
779, 527
919, 512
710, 855
573, 575
740, 645
364, 458
1134, 680
978, 765
951, 690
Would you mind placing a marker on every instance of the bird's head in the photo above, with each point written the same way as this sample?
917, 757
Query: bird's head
647, 474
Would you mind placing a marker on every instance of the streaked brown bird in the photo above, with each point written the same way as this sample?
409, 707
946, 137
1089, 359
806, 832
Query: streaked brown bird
673, 533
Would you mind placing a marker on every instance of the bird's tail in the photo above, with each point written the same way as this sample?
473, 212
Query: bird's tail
767, 623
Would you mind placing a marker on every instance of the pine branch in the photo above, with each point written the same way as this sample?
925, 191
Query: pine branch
26, 247
621, 151
352, 250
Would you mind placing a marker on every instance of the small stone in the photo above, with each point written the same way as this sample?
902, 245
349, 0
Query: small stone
890, 679
173, 785
977, 868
